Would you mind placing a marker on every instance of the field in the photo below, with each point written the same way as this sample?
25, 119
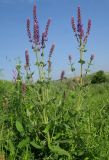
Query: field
54, 123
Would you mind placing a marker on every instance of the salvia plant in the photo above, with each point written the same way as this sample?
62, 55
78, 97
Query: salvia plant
81, 38
38, 43
89, 64
29, 74
72, 68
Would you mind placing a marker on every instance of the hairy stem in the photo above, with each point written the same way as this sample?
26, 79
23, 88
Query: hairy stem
81, 68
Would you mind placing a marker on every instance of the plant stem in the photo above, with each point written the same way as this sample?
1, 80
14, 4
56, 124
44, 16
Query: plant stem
81, 68
37, 61
42, 69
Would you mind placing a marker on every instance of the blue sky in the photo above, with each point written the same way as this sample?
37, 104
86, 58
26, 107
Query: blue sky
14, 40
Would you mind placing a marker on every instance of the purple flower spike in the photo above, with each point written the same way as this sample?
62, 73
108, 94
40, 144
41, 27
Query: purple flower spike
89, 26
88, 32
51, 50
73, 24
27, 57
36, 33
81, 32
79, 15
28, 28
43, 40
34, 13
79, 24
47, 27
79, 20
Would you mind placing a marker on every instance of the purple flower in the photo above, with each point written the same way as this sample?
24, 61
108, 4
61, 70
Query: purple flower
88, 32
51, 50
34, 13
79, 20
73, 24
79, 15
62, 75
43, 40
79, 27
79, 24
89, 26
81, 32
92, 57
36, 33
27, 57
47, 27
28, 29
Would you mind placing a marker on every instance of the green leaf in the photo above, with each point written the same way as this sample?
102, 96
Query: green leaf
86, 158
47, 128
19, 126
23, 143
58, 150
72, 69
57, 136
37, 64
36, 145
80, 153
85, 50
11, 147
81, 61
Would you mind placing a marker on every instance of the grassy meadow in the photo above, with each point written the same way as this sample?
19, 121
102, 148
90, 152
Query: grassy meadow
62, 122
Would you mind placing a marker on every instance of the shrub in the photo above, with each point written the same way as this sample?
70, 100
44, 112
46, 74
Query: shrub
99, 77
